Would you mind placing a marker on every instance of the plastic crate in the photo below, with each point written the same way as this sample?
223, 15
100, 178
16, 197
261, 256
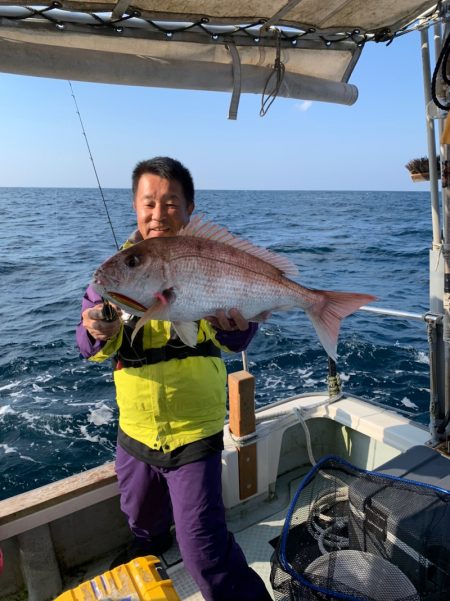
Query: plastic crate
142, 579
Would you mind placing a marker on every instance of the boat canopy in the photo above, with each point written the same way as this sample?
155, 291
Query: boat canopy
304, 49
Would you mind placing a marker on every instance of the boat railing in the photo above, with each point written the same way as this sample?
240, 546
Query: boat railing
438, 391
393, 313
438, 420
430, 318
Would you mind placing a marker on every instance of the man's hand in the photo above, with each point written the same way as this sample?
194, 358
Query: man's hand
234, 320
97, 327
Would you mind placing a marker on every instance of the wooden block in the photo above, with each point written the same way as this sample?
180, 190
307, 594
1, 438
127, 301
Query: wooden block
241, 393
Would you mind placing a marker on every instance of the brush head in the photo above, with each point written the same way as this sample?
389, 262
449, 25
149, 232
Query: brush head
419, 169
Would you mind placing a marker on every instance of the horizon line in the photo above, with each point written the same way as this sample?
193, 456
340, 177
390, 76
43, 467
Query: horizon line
213, 189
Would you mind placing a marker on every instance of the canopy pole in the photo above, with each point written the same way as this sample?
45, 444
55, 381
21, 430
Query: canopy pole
438, 350
431, 139
446, 274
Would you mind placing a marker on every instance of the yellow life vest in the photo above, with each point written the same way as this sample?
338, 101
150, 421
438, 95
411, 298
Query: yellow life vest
169, 403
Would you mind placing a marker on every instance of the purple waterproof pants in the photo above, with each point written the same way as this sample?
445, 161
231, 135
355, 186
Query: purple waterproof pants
191, 496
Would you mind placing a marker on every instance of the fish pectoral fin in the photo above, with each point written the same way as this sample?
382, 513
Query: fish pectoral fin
155, 307
187, 332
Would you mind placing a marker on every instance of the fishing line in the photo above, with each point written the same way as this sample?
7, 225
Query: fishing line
108, 311
93, 164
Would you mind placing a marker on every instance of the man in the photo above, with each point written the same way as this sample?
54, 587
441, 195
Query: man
171, 411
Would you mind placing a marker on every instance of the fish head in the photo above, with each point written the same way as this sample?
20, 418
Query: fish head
132, 278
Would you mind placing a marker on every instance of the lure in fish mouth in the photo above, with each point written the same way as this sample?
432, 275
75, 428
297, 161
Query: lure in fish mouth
129, 303
204, 269
102, 285
164, 297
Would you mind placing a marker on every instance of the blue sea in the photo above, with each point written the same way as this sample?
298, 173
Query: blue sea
57, 411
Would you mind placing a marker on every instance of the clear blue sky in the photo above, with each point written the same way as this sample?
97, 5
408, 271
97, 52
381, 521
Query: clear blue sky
296, 146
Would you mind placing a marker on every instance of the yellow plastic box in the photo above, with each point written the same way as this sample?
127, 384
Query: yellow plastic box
142, 579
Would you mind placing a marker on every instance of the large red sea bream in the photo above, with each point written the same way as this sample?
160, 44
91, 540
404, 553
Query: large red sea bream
205, 268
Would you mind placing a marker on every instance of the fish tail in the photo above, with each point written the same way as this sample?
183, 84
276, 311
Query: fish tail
327, 313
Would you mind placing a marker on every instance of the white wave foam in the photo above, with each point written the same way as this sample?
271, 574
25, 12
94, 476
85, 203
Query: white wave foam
100, 416
7, 449
90, 438
29, 417
6, 410
28, 458
81, 404
305, 373
12, 385
56, 433
44, 377
273, 382
422, 358
18, 395
407, 403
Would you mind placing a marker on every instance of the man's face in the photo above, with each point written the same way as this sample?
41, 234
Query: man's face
160, 205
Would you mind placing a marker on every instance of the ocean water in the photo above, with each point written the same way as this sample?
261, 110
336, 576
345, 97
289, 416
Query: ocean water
57, 412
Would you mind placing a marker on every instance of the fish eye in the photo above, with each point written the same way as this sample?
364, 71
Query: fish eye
132, 261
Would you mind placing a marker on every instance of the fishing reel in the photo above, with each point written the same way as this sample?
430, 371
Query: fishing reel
109, 313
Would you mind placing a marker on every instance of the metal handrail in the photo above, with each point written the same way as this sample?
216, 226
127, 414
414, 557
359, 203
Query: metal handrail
427, 317
402, 314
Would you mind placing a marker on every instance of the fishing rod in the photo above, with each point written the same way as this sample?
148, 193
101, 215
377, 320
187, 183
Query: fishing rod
108, 312
93, 164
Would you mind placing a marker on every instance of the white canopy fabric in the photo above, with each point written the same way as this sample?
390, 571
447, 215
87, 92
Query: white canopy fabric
369, 15
302, 49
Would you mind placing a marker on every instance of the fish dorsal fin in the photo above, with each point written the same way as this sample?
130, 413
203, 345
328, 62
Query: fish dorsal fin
197, 228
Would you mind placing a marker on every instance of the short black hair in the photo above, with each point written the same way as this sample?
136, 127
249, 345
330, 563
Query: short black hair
168, 169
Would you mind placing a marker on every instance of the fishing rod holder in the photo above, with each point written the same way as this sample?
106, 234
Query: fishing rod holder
334, 381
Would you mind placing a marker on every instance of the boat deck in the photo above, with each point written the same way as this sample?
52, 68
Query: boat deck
255, 542
255, 539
